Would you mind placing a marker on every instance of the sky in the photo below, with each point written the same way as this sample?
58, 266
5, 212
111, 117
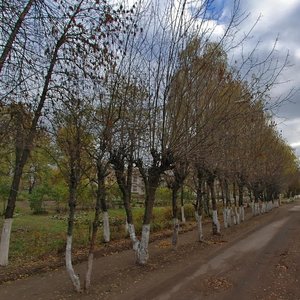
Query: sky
279, 18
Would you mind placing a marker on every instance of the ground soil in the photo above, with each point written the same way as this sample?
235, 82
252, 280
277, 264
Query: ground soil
258, 259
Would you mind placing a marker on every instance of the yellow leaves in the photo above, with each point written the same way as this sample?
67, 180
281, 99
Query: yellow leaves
165, 244
218, 283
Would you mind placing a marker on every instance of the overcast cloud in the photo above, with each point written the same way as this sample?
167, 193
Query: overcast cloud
277, 18
280, 17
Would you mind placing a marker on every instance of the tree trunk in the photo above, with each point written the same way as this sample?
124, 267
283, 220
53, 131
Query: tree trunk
174, 214
151, 178
228, 203
182, 207
5, 237
106, 229
95, 227
215, 220
225, 217
151, 185
74, 278
142, 253
101, 194
133, 238
206, 199
256, 203
236, 215
72, 206
20, 163
175, 232
125, 187
241, 202
199, 226
199, 204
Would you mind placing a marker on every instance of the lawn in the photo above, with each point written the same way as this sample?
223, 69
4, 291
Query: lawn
34, 236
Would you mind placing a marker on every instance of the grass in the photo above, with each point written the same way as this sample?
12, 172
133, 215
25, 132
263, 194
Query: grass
34, 236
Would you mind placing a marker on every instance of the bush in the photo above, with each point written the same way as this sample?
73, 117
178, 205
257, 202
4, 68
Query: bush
189, 212
23, 196
36, 200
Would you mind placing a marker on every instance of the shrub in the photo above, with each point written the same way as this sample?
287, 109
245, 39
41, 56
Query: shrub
36, 200
189, 212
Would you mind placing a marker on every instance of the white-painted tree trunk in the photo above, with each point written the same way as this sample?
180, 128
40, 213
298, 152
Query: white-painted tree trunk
216, 220
182, 214
253, 208
199, 226
4, 244
126, 227
142, 254
237, 216
225, 217
263, 208
234, 217
74, 278
276, 203
106, 230
242, 213
256, 209
175, 231
88, 274
270, 205
133, 238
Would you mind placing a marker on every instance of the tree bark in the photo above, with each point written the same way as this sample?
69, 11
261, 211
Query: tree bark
151, 184
175, 189
72, 206
215, 220
74, 278
236, 214
151, 180
95, 226
101, 197
199, 204
125, 185
241, 201
5, 237
142, 253
182, 206
228, 203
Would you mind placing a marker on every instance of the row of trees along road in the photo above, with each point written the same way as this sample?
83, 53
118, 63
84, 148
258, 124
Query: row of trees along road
147, 86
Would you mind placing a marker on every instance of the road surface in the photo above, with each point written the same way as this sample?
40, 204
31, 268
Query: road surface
259, 259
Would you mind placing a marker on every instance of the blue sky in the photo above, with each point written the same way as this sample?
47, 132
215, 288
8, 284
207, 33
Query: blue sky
214, 9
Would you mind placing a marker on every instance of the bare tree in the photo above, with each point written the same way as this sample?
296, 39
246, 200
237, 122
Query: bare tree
62, 42
15, 27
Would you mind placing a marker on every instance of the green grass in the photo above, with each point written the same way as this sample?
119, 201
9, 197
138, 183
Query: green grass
34, 236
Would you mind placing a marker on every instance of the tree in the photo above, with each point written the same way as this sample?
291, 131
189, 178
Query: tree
15, 27
68, 38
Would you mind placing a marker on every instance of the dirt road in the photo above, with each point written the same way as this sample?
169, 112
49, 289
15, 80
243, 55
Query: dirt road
259, 259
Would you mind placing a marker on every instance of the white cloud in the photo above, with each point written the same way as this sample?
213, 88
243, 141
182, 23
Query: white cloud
295, 145
290, 130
